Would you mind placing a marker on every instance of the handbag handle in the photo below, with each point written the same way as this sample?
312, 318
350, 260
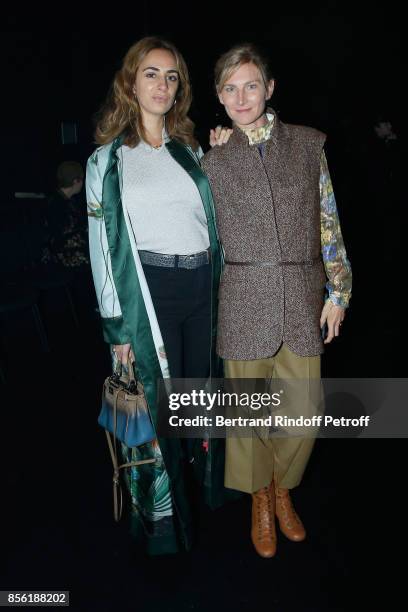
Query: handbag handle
131, 371
117, 489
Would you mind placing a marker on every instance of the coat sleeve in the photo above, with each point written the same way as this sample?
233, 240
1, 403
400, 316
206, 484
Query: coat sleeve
114, 330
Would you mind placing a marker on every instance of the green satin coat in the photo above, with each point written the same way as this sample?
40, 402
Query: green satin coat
127, 316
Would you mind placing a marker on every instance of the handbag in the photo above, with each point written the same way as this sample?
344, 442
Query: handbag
124, 410
125, 416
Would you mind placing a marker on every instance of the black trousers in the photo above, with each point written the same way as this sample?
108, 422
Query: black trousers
182, 301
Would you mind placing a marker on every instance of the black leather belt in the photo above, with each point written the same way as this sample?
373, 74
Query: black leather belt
269, 264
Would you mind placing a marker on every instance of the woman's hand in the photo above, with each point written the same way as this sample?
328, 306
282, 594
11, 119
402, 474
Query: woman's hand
333, 315
219, 136
123, 351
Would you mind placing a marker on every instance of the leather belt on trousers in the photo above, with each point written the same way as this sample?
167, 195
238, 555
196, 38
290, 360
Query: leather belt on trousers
268, 264
189, 262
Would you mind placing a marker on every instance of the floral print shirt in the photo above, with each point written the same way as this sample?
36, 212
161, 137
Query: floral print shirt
337, 266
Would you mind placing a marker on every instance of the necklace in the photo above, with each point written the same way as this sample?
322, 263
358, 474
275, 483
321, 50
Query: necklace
152, 139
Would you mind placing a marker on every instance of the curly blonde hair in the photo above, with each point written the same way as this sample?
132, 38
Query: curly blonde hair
121, 113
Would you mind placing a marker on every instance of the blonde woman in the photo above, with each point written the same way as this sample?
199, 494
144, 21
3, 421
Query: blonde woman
280, 230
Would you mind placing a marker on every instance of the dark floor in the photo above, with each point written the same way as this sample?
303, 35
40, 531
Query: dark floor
58, 531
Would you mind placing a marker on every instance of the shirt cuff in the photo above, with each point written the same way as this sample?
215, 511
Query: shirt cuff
339, 300
114, 330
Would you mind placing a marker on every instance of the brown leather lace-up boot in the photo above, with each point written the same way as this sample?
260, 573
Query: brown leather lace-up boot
263, 532
289, 522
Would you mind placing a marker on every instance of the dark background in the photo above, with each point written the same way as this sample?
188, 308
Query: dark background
330, 64
335, 70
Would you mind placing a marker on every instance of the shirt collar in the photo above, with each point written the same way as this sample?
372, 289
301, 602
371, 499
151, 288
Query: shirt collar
260, 134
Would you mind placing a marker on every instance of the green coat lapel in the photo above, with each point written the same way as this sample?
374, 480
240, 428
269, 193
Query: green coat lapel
209, 466
190, 162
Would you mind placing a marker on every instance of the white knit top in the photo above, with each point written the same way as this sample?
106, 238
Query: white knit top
163, 202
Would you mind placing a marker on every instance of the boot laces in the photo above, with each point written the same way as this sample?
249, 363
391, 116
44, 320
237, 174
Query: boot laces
288, 509
264, 513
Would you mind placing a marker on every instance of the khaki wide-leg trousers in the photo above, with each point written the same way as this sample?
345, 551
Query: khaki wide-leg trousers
252, 463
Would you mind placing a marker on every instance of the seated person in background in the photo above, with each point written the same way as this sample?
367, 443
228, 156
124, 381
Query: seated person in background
68, 242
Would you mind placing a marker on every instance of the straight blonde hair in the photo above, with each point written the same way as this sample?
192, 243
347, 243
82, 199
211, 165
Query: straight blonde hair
236, 57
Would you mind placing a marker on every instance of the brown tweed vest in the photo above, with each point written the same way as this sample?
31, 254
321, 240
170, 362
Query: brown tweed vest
268, 210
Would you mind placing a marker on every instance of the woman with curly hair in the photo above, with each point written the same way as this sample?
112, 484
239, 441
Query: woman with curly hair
156, 262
